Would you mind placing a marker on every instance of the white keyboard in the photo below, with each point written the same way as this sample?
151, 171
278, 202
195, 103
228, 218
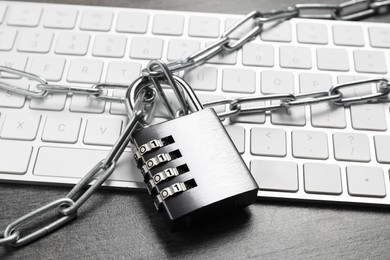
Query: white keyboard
318, 153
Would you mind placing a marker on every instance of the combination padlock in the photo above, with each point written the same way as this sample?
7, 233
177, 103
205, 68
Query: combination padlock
192, 169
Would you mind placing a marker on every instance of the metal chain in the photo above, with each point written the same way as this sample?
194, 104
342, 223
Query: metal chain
97, 91
349, 10
284, 101
67, 207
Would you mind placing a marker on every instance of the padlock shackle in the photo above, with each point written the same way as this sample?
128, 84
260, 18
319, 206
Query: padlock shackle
197, 105
147, 104
144, 82
168, 78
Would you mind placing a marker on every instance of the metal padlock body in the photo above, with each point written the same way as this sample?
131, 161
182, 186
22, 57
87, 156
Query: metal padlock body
222, 180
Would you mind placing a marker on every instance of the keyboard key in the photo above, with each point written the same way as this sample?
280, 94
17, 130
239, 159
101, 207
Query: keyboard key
179, 49
370, 61
328, 115
351, 147
53, 101
277, 82
204, 26
60, 18
50, 162
312, 82
3, 8
24, 15
321, 178
324, 114
132, 22
85, 71
15, 157
82, 103
254, 54
14, 61
62, 129
277, 33
268, 142
315, 33
348, 35
7, 38
72, 43
102, 131
332, 59
295, 116
368, 117
203, 98
113, 46
254, 119
50, 68
382, 148
237, 134
309, 144
295, 57
33, 41
275, 176
365, 181
9, 99
168, 24
379, 37
20, 126
146, 48
239, 81
202, 78
122, 72
96, 20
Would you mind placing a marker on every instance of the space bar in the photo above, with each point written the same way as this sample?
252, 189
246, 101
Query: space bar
75, 163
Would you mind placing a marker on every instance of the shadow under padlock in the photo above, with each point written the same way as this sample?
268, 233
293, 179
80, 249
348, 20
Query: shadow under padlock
191, 167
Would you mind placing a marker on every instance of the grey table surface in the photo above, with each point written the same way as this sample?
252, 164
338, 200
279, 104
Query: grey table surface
124, 224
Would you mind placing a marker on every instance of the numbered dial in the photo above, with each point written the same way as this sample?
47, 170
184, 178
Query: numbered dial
152, 145
165, 175
147, 148
159, 159
161, 176
168, 192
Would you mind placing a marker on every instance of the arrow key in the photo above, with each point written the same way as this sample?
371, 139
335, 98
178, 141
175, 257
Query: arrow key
364, 181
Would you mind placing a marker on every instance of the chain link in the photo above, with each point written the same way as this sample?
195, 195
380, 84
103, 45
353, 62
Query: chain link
141, 110
22, 91
381, 90
11, 230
